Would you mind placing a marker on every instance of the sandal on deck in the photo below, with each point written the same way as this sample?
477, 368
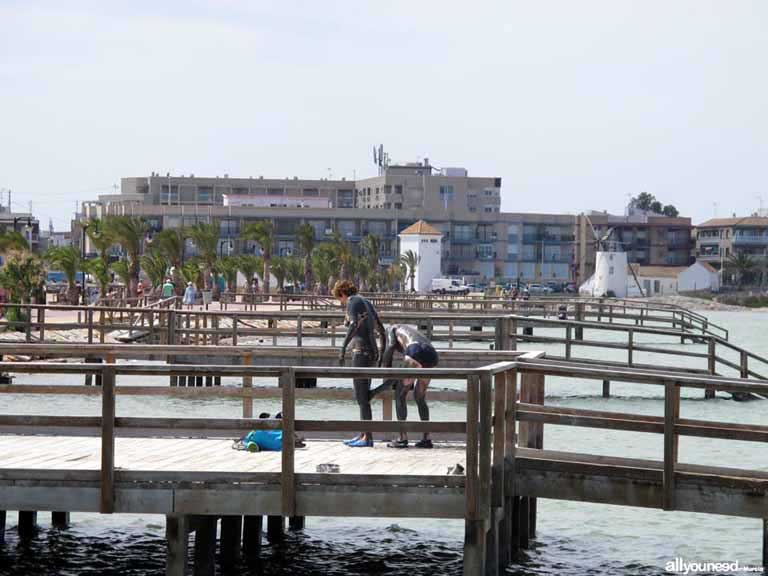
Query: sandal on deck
398, 444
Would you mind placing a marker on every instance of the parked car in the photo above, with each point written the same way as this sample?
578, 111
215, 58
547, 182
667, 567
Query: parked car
448, 286
539, 289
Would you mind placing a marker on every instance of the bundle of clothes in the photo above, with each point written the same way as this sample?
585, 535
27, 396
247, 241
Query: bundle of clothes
265, 440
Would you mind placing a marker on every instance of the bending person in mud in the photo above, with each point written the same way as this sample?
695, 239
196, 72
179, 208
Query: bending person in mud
362, 325
418, 352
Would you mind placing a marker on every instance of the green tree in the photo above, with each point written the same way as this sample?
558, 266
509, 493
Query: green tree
191, 273
12, 240
411, 261
122, 270
325, 265
170, 245
130, 233
101, 237
305, 238
249, 265
97, 268
228, 267
206, 239
262, 233
371, 249
343, 254
670, 211
21, 276
743, 265
67, 260
294, 268
155, 266
279, 270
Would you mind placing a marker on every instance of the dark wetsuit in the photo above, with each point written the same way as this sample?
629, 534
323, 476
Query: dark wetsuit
363, 323
412, 343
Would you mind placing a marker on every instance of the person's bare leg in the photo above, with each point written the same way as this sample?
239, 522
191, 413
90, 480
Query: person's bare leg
401, 407
420, 395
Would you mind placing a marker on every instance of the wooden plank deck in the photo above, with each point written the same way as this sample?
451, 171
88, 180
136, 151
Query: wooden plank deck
217, 455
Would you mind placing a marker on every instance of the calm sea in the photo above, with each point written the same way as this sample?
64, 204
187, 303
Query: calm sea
573, 538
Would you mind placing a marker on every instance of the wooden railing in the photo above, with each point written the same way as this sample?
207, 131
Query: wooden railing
499, 485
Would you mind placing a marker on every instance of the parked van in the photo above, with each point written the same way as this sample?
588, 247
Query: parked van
448, 286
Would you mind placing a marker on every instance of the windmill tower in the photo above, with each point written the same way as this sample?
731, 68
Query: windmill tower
611, 266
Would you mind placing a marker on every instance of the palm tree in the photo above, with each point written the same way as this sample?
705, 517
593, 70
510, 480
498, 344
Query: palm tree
743, 264
279, 270
155, 266
100, 271
362, 272
191, 272
248, 266
371, 248
123, 271
22, 274
170, 245
12, 240
261, 233
343, 254
228, 267
410, 260
305, 238
100, 236
325, 264
66, 259
206, 239
130, 233
295, 269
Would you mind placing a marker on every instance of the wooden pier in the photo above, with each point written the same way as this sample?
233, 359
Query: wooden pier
184, 468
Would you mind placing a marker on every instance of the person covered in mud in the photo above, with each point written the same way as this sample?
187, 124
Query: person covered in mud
363, 324
417, 352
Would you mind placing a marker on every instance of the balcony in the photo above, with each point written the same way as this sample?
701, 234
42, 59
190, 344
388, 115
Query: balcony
463, 239
750, 240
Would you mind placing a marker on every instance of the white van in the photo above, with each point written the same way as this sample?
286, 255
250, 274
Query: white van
448, 286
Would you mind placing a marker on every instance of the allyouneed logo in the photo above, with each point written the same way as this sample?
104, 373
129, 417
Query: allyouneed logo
680, 566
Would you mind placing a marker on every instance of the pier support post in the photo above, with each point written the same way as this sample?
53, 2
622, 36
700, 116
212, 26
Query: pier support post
27, 524
296, 523
275, 529
230, 546
205, 546
177, 542
606, 388
709, 393
60, 520
2, 526
765, 542
252, 535
531, 436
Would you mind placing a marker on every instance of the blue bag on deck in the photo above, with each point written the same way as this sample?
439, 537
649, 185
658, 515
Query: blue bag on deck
267, 440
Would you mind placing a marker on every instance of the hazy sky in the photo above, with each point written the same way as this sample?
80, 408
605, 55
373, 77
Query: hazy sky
574, 104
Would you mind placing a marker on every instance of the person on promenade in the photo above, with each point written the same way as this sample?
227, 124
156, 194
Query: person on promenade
362, 323
189, 295
168, 288
418, 352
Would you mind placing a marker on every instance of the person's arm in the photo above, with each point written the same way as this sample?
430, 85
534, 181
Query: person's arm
353, 317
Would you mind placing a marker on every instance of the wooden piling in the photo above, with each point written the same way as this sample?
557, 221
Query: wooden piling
2, 526
27, 524
474, 526
230, 546
296, 523
107, 501
177, 543
252, 535
711, 366
606, 388
507, 534
60, 520
205, 546
765, 543
247, 383
275, 529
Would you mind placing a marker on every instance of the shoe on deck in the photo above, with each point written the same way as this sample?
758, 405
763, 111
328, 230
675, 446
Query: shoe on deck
361, 443
398, 444
424, 444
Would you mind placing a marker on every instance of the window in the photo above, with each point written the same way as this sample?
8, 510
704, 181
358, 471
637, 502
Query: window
487, 208
174, 196
274, 191
345, 199
398, 188
398, 205
310, 192
610, 271
205, 194
388, 189
446, 192
228, 228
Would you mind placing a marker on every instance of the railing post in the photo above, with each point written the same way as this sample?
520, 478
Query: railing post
496, 546
630, 346
299, 331
247, 385
744, 364
107, 505
711, 365
568, 342
671, 414
474, 527
234, 329
287, 478
41, 323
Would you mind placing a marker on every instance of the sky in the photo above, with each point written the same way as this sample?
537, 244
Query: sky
576, 105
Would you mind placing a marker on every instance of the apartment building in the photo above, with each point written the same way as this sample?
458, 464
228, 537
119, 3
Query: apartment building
648, 239
719, 238
479, 241
24, 223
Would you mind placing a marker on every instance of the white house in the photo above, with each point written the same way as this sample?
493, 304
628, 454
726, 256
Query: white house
426, 242
660, 280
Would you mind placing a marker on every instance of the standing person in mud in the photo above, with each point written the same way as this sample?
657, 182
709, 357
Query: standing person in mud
418, 352
362, 324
